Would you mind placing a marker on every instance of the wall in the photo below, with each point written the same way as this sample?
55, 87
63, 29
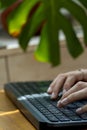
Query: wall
15, 65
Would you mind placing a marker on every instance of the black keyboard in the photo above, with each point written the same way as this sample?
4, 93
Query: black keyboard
33, 101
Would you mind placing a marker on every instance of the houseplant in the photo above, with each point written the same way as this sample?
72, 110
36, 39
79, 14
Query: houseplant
27, 16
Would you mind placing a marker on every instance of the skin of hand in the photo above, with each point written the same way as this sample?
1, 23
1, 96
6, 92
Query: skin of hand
74, 86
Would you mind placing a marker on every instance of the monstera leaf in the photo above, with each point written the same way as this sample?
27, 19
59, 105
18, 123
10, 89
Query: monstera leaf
49, 16
6, 3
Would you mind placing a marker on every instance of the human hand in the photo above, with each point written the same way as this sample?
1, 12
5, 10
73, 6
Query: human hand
73, 85
77, 92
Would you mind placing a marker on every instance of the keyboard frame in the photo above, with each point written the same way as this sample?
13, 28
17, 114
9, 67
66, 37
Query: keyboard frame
38, 120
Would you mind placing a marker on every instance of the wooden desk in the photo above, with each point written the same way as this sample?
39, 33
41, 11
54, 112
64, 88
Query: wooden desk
10, 117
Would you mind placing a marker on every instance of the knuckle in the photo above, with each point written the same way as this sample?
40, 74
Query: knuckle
71, 97
72, 77
61, 75
80, 84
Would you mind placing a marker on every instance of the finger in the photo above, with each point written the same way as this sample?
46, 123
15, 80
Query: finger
78, 86
69, 83
56, 90
58, 86
51, 86
82, 109
84, 73
73, 97
57, 83
72, 78
78, 74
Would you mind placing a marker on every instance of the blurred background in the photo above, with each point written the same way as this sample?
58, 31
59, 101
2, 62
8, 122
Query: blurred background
16, 65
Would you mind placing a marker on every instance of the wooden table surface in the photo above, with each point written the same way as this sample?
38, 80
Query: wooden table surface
10, 117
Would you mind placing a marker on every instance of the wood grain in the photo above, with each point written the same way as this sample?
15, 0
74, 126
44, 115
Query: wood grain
10, 116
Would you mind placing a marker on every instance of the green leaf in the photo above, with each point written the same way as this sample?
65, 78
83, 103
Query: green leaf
43, 52
32, 26
45, 46
0, 5
80, 15
74, 46
19, 16
6, 3
48, 49
50, 34
84, 3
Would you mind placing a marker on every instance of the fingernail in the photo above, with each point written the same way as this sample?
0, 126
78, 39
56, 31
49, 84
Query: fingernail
53, 95
64, 91
79, 110
59, 104
49, 89
64, 101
